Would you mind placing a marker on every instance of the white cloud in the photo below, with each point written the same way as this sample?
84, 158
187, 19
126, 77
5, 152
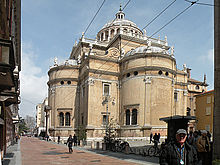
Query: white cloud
209, 56
33, 82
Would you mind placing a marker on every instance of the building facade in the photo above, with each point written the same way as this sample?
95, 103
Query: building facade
123, 78
204, 111
10, 66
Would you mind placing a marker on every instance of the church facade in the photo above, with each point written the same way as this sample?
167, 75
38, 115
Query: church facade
124, 79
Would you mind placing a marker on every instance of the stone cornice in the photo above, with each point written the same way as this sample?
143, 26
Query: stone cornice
143, 55
104, 72
61, 67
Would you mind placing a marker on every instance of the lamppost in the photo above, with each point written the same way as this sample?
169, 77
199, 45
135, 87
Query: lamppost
46, 110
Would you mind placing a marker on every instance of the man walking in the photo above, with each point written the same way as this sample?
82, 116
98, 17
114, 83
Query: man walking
70, 143
204, 148
75, 140
151, 136
179, 152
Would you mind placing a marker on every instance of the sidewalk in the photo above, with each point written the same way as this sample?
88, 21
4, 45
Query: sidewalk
13, 155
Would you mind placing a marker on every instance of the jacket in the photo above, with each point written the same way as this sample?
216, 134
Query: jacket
203, 144
170, 156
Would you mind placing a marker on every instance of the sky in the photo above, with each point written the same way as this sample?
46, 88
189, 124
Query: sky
51, 27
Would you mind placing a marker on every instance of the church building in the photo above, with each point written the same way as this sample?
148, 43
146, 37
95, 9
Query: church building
123, 79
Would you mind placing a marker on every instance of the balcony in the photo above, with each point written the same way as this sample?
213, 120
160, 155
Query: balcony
7, 65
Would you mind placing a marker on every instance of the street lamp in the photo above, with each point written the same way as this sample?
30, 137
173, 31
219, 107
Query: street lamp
47, 108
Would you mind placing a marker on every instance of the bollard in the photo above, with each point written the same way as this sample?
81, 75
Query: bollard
104, 146
97, 145
81, 143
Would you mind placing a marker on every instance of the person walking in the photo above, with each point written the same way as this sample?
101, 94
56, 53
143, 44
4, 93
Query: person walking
75, 140
70, 143
155, 139
158, 137
178, 152
151, 136
58, 139
204, 148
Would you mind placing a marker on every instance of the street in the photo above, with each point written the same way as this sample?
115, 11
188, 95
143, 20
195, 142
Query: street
38, 152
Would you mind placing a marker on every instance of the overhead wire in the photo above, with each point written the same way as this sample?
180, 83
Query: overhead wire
94, 16
200, 3
163, 25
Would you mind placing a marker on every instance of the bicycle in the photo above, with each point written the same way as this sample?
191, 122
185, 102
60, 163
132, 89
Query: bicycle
155, 150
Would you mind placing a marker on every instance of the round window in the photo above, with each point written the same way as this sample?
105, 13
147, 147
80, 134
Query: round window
128, 74
61, 82
68, 82
166, 73
136, 73
160, 72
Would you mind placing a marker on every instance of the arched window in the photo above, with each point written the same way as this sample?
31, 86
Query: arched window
127, 117
112, 33
118, 30
61, 119
102, 35
67, 119
134, 117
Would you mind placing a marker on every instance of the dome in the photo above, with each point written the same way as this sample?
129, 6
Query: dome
119, 25
146, 49
120, 22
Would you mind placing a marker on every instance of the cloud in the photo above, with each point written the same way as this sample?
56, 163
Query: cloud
209, 56
33, 82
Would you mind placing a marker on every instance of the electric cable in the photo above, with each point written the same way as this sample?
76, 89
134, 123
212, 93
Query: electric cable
94, 16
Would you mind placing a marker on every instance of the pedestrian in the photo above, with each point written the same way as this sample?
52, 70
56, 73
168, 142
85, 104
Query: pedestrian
70, 143
16, 138
151, 136
58, 139
47, 137
158, 137
179, 151
190, 138
155, 137
75, 140
209, 135
204, 147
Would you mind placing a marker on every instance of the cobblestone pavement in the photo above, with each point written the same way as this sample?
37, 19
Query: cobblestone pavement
39, 152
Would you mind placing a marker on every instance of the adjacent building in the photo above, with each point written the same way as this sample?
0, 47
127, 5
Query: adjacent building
41, 118
123, 78
204, 111
10, 66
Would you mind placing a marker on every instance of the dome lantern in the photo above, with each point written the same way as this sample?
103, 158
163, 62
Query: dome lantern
120, 15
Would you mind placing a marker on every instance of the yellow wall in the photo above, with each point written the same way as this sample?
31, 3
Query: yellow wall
203, 104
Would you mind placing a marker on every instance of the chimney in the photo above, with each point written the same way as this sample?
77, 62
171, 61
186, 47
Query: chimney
204, 78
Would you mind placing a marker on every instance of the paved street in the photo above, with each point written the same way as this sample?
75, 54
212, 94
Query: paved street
38, 152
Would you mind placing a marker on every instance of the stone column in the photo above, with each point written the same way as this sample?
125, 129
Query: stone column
216, 117
100, 37
147, 114
109, 34
104, 36
115, 31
